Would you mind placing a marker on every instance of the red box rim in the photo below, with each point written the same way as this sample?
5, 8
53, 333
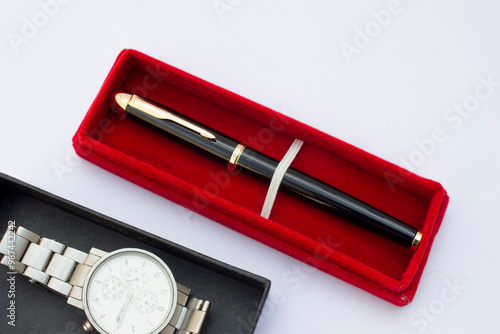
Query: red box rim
399, 292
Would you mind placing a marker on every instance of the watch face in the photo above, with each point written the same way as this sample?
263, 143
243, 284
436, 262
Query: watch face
129, 291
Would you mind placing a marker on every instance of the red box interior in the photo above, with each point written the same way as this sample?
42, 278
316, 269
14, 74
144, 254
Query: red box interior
160, 163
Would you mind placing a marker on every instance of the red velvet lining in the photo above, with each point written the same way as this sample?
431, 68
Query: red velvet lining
170, 168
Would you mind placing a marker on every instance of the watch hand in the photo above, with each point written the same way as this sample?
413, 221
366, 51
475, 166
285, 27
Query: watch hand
121, 313
149, 304
132, 279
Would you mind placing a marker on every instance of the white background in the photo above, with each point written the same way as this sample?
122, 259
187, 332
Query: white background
392, 92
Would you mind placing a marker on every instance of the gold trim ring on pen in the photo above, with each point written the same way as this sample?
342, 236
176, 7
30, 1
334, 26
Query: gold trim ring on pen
233, 161
416, 241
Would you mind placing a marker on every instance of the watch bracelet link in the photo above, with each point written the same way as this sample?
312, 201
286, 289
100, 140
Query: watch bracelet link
64, 269
43, 260
189, 313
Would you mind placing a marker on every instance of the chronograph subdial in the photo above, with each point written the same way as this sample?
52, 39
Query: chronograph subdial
136, 278
146, 301
134, 273
113, 287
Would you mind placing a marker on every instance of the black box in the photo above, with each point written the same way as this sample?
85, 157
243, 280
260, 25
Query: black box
237, 296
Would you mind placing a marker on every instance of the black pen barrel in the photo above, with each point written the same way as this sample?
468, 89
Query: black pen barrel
332, 199
221, 147
237, 155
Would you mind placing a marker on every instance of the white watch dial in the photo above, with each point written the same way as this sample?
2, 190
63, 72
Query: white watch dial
129, 291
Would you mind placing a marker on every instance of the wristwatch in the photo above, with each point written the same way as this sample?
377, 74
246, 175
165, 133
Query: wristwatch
129, 290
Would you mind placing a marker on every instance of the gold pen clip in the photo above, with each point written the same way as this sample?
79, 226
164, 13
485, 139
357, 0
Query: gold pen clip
124, 99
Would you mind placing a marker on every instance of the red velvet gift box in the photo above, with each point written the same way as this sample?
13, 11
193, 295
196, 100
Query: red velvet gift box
172, 169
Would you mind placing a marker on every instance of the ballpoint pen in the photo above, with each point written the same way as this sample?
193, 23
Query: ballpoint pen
237, 154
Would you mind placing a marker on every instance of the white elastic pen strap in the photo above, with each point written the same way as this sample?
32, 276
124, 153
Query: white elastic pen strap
278, 175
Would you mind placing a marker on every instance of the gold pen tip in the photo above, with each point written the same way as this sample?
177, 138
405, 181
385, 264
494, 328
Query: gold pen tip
122, 99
